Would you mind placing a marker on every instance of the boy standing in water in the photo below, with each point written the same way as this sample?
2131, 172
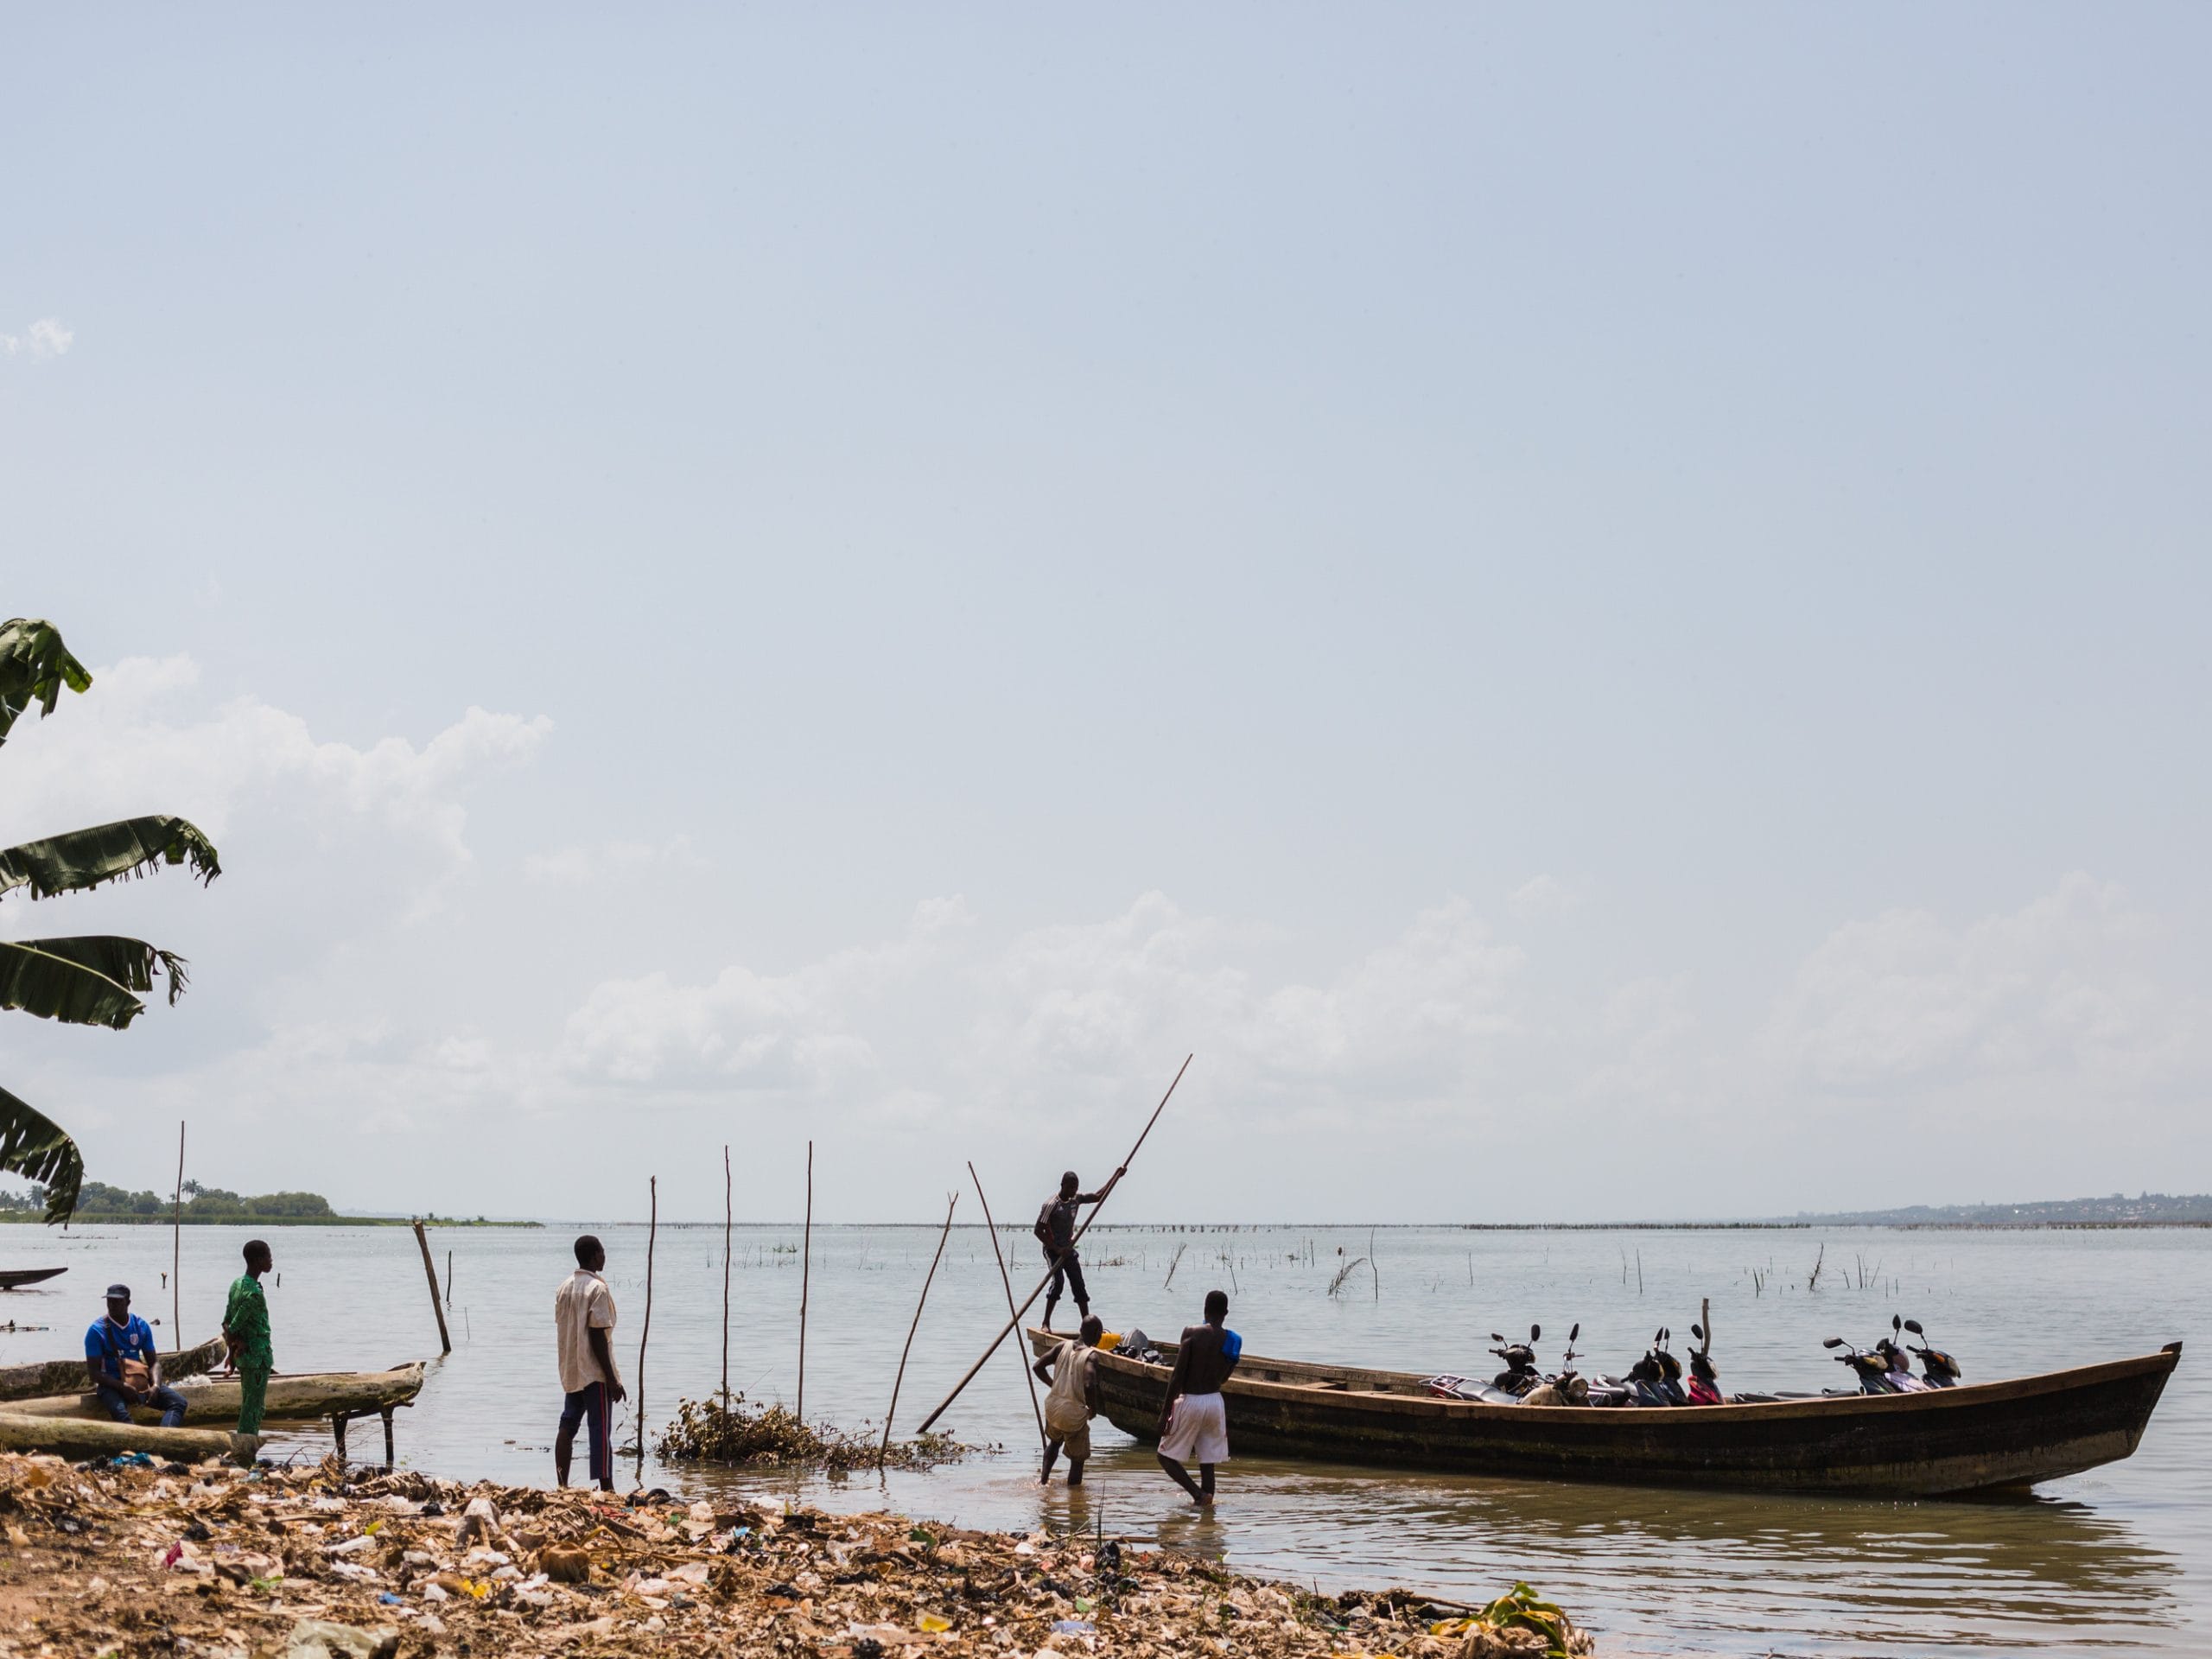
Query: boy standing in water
1072, 1371
246, 1329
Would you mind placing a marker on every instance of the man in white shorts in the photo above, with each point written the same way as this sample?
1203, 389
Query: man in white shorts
1194, 1422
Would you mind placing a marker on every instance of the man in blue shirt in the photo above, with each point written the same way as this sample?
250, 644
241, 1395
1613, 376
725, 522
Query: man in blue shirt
120, 1357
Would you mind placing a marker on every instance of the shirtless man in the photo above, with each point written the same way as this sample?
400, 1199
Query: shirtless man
1194, 1422
1055, 1230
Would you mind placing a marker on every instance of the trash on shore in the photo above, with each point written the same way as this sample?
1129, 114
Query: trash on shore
224, 1563
724, 1431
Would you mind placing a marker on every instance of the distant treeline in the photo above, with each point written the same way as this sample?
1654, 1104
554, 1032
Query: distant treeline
205, 1206
2144, 1210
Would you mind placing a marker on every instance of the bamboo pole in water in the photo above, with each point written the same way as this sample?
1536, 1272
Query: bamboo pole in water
176, 1245
652, 1233
726, 1216
884, 1449
805, 1268
1011, 1322
1028, 1376
430, 1273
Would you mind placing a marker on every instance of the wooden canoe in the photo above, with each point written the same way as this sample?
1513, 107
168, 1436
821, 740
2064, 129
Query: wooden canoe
1974, 1438
306, 1397
16, 1278
60, 1376
74, 1437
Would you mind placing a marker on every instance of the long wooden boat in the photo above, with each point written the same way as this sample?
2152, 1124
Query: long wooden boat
16, 1278
73, 1436
308, 1397
51, 1377
1974, 1438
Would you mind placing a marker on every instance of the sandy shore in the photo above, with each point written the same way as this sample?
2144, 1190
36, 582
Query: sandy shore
218, 1561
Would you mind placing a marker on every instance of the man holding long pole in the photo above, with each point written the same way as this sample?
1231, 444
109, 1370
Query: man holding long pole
1055, 1230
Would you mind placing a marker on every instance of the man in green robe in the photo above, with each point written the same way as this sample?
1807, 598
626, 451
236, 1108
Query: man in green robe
245, 1328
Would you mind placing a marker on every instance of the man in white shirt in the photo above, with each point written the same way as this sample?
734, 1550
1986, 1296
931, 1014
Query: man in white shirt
583, 1321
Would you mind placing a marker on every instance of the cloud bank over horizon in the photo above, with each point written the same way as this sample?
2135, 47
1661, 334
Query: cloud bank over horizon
369, 1016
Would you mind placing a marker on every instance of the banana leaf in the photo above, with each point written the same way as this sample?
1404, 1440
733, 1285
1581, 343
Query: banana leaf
58, 987
108, 852
34, 1147
33, 667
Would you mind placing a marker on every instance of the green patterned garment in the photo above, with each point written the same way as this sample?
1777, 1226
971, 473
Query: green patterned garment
246, 1321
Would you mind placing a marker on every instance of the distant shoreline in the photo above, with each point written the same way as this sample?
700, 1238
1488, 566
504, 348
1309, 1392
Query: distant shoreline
28, 1219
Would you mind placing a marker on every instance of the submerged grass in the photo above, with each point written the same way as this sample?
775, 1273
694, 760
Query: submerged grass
725, 1430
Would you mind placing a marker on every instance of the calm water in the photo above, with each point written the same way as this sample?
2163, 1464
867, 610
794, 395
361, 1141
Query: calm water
2115, 1560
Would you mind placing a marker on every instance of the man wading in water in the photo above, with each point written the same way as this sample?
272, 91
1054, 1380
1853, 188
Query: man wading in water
1194, 1422
1055, 1230
583, 1321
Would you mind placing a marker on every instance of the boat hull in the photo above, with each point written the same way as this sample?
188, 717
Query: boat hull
51, 1376
1948, 1441
306, 1397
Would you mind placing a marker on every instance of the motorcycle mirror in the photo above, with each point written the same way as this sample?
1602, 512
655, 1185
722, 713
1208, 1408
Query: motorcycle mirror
1913, 1326
1575, 1332
1698, 1331
1895, 1321
1833, 1342
1659, 1336
1494, 1336
1666, 1334
1535, 1331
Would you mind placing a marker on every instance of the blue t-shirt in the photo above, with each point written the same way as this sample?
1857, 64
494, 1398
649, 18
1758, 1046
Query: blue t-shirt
1231, 1344
111, 1343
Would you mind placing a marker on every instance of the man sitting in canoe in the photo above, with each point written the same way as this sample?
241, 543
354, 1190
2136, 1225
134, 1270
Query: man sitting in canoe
1194, 1420
125, 1372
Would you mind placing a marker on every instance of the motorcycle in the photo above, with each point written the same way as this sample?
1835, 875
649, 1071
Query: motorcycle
1520, 1374
1942, 1371
1871, 1366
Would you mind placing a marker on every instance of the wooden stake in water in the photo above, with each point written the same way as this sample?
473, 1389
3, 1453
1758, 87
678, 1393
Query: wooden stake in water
726, 1216
176, 1246
1028, 1375
883, 1451
652, 1233
430, 1273
1011, 1322
805, 1268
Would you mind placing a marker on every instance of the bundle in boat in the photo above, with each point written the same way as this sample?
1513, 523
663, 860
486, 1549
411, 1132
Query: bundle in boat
309, 1397
73, 1436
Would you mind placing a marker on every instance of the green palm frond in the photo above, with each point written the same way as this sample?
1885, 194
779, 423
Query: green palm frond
55, 986
33, 667
108, 852
33, 1146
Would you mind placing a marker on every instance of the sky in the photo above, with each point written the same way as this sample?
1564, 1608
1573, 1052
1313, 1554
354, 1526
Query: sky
1602, 612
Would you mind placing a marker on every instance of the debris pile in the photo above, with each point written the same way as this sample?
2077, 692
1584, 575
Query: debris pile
127, 1559
721, 1430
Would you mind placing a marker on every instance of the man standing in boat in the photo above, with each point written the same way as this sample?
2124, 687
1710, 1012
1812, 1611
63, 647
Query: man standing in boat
1194, 1420
583, 1321
1055, 1230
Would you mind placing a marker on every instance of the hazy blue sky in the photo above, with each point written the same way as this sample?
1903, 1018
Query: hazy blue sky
1606, 611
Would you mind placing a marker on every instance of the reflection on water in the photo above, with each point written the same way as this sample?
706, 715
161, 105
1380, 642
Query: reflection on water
2114, 1561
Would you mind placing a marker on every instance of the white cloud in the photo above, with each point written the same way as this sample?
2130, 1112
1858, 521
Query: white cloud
1547, 895
49, 337
2063, 989
577, 866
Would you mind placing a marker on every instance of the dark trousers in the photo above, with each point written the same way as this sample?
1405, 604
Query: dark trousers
166, 1400
1067, 1265
588, 1405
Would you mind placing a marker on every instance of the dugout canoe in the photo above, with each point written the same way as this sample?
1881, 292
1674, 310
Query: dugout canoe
1978, 1437
52, 1376
75, 1438
309, 1396
16, 1278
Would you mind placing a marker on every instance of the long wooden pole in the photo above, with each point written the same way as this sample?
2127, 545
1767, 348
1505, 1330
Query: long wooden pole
176, 1246
652, 1233
805, 1268
1006, 1279
726, 1216
429, 1272
1079, 1232
884, 1449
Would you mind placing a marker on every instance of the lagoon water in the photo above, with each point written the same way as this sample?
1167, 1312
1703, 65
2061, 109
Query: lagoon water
2119, 1560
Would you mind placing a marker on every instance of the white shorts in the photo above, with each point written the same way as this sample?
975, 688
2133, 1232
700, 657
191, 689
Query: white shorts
1197, 1430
